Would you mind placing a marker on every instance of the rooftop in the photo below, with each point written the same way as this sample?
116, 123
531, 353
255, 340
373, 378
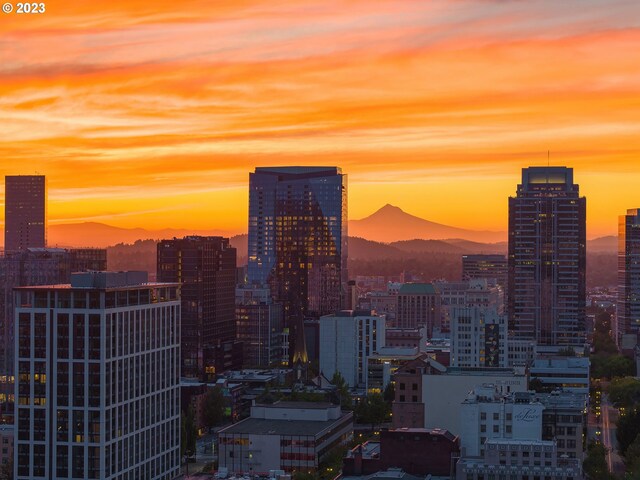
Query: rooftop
260, 426
417, 289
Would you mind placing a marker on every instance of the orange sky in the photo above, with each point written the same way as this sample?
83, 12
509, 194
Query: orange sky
152, 114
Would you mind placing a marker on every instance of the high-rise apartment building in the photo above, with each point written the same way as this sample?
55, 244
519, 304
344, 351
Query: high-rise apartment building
627, 321
36, 266
98, 379
547, 258
25, 212
298, 241
206, 269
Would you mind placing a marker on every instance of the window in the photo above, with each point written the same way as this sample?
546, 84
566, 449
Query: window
483, 416
496, 416
496, 428
483, 428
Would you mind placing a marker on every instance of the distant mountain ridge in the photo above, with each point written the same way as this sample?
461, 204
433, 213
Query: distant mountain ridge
391, 223
100, 235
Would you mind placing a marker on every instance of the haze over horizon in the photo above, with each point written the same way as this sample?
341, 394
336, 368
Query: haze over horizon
152, 114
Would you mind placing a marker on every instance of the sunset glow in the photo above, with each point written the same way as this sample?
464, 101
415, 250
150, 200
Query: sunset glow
151, 114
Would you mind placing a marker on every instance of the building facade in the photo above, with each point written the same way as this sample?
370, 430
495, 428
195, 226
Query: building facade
519, 460
206, 269
37, 266
347, 340
289, 436
418, 306
627, 318
25, 212
259, 323
485, 266
298, 242
478, 337
98, 379
547, 258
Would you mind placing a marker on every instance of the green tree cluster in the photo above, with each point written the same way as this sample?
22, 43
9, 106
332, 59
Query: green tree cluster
214, 407
628, 429
373, 410
595, 464
342, 391
624, 391
189, 432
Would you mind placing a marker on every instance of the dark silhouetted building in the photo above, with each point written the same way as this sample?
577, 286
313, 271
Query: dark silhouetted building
206, 269
547, 258
628, 306
25, 212
298, 242
417, 451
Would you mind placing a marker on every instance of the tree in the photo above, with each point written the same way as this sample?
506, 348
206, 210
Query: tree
567, 352
189, 433
373, 410
214, 406
632, 457
538, 386
625, 391
342, 389
595, 464
611, 366
628, 429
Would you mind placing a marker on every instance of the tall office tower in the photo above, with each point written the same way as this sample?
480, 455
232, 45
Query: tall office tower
25, 212
627, 321
259, 326
547, 258
36, 266
418, 306
298, 242
98, 379
206, 268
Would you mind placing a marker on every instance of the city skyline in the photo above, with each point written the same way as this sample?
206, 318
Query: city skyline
145, 115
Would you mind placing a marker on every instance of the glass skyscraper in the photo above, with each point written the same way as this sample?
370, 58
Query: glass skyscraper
628, 306
547, 258
298, 241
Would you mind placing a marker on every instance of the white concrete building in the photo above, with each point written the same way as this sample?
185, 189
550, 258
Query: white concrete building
487, 414
347, 340
444, 393
97, 379
519, 460
478, 337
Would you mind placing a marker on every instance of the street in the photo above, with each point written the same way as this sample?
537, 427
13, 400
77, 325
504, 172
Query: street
609, 416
